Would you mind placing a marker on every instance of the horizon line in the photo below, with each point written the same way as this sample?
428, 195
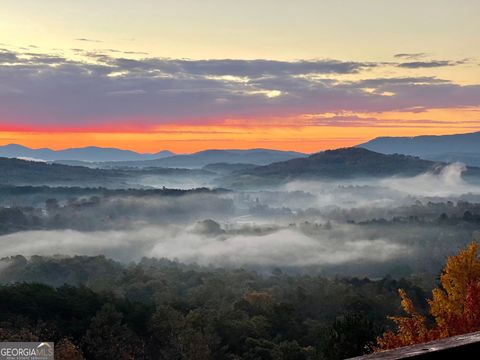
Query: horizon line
19, 143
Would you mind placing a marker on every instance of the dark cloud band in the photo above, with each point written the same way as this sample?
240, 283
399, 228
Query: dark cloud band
39, 89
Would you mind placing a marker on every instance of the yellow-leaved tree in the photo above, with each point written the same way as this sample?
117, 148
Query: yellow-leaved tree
454, 306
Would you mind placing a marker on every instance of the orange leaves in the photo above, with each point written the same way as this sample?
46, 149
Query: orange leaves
451, 303
454, 306
412, 329
471, 309
406, 303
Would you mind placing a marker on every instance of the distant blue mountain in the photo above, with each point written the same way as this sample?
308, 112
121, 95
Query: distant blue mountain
447, 148
90, 154
203, 158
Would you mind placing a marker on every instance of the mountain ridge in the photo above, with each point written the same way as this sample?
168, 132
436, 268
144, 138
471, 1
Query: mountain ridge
94, 156
88, 153
344, 163
211, 156
446, 148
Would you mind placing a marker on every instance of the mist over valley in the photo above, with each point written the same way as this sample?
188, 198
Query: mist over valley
344, 212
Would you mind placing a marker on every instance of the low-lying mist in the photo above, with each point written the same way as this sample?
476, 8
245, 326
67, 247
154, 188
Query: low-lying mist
283, 247
354, 227
393, 191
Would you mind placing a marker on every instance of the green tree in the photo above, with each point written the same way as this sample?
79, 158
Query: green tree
109, 339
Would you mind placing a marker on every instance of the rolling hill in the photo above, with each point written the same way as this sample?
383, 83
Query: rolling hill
344, 163
332, 164
22, 172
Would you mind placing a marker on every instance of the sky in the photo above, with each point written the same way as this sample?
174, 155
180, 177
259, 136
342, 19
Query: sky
188, 75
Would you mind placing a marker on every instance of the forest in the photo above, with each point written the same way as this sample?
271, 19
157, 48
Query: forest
310, 269
160, 309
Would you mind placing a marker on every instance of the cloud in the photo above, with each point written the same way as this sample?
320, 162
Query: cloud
423, 80
240, 68
7, 56
127, 92
51, 89
410, 55
430, 64
125, 52
349, 120
88, 40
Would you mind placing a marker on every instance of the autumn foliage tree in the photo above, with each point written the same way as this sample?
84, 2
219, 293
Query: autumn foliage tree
67, 350
454, 306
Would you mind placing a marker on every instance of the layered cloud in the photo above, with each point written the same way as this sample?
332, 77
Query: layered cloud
98, 89
430, 64
410, 56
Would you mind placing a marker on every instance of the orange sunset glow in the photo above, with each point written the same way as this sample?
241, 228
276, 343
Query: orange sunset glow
182, 86
305, 133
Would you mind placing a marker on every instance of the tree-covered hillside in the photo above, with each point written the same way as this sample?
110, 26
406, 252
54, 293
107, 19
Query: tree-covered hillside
159, 309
